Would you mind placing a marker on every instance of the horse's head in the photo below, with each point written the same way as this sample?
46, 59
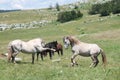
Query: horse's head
66, 42
52, 44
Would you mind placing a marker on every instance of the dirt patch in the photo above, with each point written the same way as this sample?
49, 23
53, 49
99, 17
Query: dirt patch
111, 34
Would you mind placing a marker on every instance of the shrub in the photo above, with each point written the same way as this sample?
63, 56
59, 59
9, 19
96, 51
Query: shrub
69, 15
116, 6
106, 9
95, 9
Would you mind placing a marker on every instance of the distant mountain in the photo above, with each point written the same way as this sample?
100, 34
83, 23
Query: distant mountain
2, 11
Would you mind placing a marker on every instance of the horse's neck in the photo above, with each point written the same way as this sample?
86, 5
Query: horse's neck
74, 42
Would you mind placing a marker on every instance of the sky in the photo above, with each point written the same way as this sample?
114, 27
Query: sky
32, 4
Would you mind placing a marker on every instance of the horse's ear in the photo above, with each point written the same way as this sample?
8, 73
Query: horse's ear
67, 37
56, 41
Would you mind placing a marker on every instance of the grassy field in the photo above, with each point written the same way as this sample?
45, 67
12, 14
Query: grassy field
104, 31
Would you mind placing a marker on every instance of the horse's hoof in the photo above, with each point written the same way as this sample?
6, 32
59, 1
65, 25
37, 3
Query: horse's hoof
77, 64
72, 64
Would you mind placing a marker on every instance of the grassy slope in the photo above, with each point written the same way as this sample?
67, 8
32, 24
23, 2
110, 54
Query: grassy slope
105, 33
26, 16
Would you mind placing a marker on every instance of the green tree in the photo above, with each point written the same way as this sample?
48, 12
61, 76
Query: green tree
57, 7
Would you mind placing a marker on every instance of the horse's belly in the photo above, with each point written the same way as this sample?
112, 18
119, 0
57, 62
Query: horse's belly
28, 50
85, 54
81, 51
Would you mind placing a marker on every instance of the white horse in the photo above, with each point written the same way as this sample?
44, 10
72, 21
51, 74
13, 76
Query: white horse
31, 47
84, 49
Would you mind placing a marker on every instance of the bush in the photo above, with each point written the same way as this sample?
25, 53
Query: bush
95, 9
106, 9
69, 15
116, 6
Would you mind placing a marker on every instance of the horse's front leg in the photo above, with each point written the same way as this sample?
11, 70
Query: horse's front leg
72, 59
33, 56
61, 52
58, 52
50, 54
41, 54
37, 55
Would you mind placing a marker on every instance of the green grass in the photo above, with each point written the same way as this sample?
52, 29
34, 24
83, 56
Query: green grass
104, 33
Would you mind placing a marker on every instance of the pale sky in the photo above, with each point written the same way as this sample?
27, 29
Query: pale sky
32, 4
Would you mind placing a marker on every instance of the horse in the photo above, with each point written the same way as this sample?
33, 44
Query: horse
52, 45
59, 49
31, 47
84, 49
55, 45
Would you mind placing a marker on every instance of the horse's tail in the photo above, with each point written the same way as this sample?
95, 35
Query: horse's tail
103, 58
10, 51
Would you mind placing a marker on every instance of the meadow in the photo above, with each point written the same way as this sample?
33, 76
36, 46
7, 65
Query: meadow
104, 31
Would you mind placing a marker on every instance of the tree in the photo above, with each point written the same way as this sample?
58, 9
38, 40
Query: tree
50, 7
57, 7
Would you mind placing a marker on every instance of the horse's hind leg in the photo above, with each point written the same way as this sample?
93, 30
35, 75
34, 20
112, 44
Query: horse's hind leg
95, 61
50, 54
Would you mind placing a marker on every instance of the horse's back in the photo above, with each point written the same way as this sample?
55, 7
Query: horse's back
36, 41
59, 46
15, 42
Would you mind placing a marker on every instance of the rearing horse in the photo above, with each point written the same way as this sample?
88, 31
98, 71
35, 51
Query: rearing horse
31, 47
84, 49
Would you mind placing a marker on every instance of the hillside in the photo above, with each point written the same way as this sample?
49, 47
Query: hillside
103, 31
26, 16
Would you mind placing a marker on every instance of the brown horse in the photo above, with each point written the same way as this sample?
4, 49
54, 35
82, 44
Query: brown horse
59, 49
57, 46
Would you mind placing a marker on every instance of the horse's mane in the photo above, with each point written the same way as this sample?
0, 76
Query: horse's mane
73, 39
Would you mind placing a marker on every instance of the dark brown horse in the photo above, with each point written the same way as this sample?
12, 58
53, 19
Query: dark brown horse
48, 45
57, 46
